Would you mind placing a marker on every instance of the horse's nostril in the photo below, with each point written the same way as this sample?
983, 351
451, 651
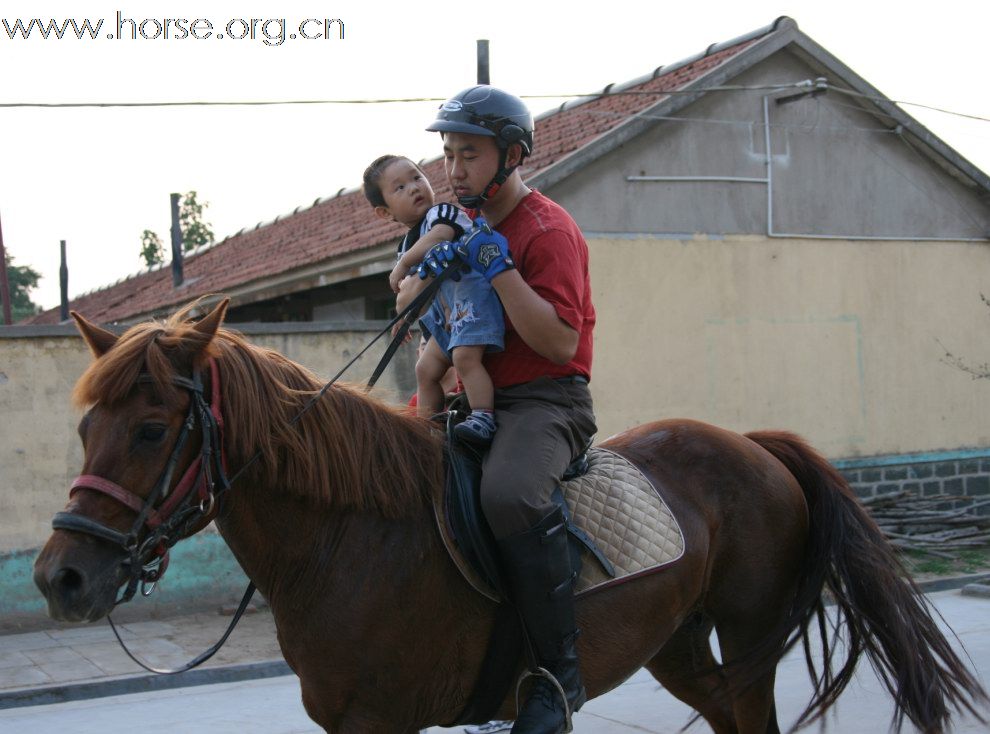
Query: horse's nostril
67, 580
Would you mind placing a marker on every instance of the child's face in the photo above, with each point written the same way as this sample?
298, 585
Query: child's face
406, 191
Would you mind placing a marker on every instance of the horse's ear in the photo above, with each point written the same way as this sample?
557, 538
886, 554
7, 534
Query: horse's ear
209, 324
100, 341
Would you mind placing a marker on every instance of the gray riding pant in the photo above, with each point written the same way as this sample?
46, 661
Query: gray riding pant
542, 427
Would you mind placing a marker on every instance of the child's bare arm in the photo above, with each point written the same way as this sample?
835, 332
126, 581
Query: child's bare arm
409, 288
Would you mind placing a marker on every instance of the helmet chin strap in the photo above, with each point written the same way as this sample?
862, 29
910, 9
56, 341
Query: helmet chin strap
475, 202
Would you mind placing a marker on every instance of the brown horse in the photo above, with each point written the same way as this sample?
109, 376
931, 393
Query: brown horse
334, 525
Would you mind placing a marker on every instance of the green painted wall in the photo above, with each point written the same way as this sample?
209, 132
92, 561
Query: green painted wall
202, 573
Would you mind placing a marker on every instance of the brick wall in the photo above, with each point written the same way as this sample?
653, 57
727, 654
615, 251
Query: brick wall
965, 478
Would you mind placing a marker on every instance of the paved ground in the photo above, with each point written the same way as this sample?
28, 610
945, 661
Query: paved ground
53, 664
65, 665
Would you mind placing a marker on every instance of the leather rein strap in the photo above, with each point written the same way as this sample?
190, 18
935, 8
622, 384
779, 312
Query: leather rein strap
169, 521
166, 513
193, 500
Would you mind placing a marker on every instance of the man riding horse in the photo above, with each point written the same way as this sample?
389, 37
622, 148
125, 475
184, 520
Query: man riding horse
542, 402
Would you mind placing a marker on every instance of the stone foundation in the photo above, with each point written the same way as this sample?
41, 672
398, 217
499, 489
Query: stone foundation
963, 476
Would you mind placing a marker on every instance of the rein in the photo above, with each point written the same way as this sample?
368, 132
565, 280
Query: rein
169, 515
178, 509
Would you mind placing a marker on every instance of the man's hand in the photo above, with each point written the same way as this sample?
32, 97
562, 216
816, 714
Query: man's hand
438, 259
485, 250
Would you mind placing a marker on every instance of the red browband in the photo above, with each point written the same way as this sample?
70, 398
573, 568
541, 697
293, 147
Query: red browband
182, 489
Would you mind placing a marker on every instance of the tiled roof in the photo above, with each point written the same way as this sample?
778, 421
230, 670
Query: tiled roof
341, 225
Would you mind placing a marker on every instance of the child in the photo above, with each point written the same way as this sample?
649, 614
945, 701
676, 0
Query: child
465, 318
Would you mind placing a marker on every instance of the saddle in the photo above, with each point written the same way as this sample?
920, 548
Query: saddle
619, 526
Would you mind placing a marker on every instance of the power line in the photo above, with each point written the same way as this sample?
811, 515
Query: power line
407, 100
255, 103
395, 100
876, 98
746, 123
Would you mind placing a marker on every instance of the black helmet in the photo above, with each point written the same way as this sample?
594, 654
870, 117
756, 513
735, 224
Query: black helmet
485, 110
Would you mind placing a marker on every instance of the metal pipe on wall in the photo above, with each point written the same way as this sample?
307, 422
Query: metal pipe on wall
782, 235
768, 182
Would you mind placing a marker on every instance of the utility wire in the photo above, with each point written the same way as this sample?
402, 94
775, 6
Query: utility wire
396, 100
875, 98
256, 103
406, 100
745, 123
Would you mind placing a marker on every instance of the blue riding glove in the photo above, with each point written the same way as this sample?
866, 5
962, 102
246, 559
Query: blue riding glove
439, 258
485, 250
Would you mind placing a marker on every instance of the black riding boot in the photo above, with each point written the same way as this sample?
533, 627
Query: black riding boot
539, 570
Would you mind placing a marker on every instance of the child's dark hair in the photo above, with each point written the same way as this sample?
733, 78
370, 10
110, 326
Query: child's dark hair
372, 174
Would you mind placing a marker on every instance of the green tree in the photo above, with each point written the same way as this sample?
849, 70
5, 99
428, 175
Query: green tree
21, 278
152, 249
195, 232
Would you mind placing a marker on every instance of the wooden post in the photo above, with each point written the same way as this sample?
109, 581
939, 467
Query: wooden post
63, 284
484, 75
4, 283
176, 242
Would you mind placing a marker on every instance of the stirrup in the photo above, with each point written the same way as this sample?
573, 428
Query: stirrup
541, 672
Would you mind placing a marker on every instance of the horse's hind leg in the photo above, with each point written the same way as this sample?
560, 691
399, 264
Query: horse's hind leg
686, 667
753, 702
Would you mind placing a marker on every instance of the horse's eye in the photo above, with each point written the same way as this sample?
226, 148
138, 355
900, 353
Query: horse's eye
151, 432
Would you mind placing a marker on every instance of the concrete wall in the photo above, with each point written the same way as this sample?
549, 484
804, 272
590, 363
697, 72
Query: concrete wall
704, 313
835, 340
40, 452
838, 341
836, 171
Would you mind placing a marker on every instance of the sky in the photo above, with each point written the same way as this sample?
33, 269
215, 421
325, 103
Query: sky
97, 177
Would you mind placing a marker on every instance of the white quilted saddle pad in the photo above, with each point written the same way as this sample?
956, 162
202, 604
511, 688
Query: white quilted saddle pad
623, 512
619, 509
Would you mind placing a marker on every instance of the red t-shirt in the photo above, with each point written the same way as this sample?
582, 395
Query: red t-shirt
552, 257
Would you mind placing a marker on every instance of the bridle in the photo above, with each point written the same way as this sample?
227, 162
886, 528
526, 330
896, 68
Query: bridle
170, 516
167, 514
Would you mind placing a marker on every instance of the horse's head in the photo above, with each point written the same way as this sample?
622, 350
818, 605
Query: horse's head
147, 419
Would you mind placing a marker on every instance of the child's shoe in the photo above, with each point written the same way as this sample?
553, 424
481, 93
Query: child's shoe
477, 429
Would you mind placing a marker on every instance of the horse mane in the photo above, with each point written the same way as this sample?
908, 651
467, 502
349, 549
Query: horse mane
350, 450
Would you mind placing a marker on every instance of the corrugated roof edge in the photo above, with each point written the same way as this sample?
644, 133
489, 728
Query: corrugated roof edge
195, 252
200, 249
781, 22
344, 191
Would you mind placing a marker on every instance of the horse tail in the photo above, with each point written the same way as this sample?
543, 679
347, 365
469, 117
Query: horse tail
881, 609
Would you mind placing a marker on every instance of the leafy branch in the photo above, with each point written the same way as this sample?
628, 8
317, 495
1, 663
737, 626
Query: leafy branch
195, 232
978, 372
